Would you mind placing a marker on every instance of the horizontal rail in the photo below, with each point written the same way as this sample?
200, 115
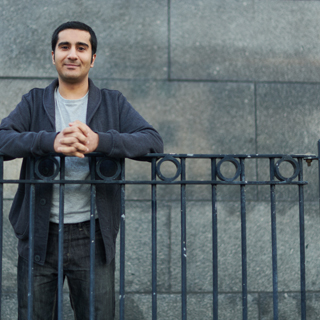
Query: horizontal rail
197, 182
207, 156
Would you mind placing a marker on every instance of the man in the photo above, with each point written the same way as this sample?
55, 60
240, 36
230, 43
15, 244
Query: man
73, 117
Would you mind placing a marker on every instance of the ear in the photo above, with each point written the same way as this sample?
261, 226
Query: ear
52, 54
93, 59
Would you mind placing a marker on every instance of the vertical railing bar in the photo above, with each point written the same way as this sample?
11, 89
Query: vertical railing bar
183, 242
302, 244
154, 240
31, 240
244, 245
122, 245
92, 238
1, 228
214, 240
274, 242
61, 238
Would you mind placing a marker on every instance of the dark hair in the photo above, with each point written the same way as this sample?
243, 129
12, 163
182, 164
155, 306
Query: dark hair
75, 25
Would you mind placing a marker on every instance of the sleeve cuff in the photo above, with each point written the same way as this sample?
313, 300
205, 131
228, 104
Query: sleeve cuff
105, 143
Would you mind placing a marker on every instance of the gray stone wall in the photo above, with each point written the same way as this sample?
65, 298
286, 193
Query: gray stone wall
212, 76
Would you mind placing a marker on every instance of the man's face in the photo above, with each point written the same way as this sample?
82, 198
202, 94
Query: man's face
73, 55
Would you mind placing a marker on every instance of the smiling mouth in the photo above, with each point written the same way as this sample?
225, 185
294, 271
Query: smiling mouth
71, 65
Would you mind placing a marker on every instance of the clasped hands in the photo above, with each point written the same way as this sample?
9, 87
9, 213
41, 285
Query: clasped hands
76, 140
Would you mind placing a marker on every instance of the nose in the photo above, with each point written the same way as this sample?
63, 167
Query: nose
72, 55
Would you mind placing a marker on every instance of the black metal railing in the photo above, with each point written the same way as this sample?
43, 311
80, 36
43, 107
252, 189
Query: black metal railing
218, 178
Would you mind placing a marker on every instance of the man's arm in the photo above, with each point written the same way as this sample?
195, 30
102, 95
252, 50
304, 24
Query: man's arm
134, 138
16, 138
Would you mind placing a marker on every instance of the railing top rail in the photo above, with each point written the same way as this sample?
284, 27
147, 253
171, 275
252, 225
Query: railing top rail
207, 156
221, 156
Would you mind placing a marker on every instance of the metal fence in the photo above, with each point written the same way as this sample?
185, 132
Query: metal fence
157, 177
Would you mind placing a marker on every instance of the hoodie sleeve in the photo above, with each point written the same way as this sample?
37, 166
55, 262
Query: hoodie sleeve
17, 140
135, 137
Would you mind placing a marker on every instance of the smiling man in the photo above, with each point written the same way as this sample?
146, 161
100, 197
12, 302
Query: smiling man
71, 116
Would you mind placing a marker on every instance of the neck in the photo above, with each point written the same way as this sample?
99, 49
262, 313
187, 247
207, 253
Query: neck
73, 91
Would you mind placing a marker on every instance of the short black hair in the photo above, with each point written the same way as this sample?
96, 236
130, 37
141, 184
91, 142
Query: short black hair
75, 25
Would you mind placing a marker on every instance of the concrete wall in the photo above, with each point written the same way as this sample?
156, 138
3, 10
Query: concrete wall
212, 76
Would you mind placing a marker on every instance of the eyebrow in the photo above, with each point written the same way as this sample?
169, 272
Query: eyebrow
68, 43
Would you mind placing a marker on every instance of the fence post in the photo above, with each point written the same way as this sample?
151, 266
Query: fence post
302, 244
122, 244
92, 238
61, 238
243, 243
154, 240
274, 241
214, 240
31, 240
183, 242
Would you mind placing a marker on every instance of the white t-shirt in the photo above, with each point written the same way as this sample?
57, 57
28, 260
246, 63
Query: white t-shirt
76, 196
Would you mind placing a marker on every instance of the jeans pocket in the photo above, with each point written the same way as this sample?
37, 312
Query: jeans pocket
86, 229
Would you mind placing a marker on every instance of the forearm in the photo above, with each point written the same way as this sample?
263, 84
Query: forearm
24, 133
15, 144
130, 145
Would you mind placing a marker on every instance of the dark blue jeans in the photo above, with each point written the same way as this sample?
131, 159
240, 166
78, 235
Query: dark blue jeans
76, 266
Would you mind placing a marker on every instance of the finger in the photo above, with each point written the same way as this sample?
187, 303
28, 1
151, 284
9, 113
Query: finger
70, 140
81, 126
80, 147
79, 136
77, 126
73, 143
69, 130
70, 151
